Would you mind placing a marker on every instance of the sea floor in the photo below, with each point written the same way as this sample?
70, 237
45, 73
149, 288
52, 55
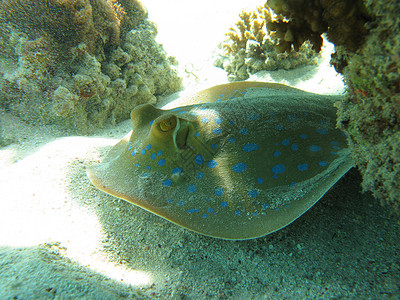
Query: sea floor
62, 238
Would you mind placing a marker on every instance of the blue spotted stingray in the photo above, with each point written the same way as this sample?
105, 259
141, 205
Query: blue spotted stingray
236, 161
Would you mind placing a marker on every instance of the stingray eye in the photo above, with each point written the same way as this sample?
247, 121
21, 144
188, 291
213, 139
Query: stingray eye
167, 124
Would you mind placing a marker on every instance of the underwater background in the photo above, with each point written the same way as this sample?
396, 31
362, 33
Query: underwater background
72, 71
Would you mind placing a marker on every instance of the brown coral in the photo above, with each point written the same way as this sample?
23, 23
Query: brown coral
251, 47
71, 22
301, 20
73, 62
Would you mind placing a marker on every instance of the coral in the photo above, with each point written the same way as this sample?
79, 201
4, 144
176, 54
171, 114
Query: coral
251, 48
79, 63
370, 113
298, 21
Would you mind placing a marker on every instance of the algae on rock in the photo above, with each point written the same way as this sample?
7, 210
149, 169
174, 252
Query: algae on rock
370, 113
251, 47
81, 63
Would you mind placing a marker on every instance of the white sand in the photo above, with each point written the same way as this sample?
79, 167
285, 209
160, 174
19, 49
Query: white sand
62, 238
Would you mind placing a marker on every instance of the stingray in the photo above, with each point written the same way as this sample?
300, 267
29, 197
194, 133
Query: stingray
236, 161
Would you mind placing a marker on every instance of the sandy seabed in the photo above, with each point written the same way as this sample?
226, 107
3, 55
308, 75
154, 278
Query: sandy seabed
62, 238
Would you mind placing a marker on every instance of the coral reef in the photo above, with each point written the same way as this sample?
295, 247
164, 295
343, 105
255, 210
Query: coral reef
250, 48
80, 63
298, 21
370, 113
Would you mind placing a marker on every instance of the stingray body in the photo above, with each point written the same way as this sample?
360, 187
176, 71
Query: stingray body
238, 161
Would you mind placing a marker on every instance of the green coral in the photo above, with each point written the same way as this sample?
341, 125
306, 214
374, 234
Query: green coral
80, 63
251, 48
370, 114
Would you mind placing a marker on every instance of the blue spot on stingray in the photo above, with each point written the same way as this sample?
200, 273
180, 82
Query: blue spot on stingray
292, 118
335, 143
130, 146
143, 152
334, 153
204, 120
294, 147
315, 148
191, 188
231, 122
244, 131
275, 176
153, 156
199, 159
148, 147
170, 200
210, 210
292, 184
151, 122
219, 191
148, 167
192, 210
286, 142
204, 216
145, 174
159, 152
336, 147
253, 117
133, 153
303, 136
217, 131
277, 153
161, 162
323, 163
167, 182
255, 213
214, 146
239, 167
343, 134
176, 170
278, 127
211, 164
278, 169
265, 205
218, 120
252, 193
200, 175
176, 109
260, 180
250, 147
237, 212
137, 165
224, 204
276, 144
182, 112
180, 203
231, 140
302, 167
196, 134
322, 131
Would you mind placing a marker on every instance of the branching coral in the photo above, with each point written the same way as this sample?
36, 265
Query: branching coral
251, 48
